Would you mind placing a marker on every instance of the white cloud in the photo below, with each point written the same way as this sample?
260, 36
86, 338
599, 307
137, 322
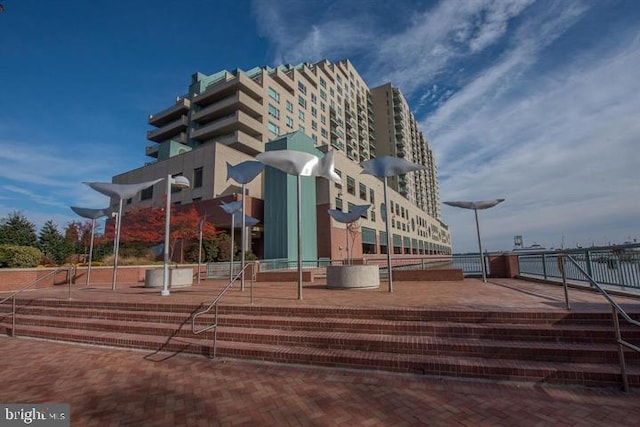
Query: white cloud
563, 153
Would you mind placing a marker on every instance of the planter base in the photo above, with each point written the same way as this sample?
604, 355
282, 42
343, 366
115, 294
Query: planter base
178, 278
353, 277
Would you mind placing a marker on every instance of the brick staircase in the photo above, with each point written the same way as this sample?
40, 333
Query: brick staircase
548, 347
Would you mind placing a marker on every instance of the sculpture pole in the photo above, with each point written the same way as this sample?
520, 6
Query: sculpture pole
93, 228
233, 229
389, 243
116, 247
299, 238
242, 237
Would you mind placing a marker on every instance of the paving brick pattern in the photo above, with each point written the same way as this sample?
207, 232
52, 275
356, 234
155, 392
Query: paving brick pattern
110, 387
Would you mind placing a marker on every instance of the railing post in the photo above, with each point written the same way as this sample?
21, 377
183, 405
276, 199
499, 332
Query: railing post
587, 259
13, 317
544, 266
564, 280
69, 282
623, 365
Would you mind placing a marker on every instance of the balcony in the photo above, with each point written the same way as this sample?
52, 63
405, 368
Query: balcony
243, 142
226, 88
284, 79
226, 106
167, 131
237, 121
170, 114
152, 150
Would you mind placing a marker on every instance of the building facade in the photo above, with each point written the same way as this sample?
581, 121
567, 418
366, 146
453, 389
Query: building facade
232, 116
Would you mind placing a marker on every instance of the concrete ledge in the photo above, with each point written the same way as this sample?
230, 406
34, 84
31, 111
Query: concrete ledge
353, 277
284, 276
178, 278
433, 275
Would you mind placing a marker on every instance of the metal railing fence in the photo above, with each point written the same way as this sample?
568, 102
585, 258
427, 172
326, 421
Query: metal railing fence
616, 265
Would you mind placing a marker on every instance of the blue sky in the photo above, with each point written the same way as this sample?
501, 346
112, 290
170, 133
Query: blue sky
534, 101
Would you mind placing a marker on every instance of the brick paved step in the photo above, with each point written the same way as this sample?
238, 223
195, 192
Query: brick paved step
408, 314
468, 367
407, 344
579, 333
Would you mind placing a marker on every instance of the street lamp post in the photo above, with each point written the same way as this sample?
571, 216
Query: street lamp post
120, 192
486, 204
178, 182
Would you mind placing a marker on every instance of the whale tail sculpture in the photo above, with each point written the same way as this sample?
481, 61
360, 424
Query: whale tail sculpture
326, 168
244, 172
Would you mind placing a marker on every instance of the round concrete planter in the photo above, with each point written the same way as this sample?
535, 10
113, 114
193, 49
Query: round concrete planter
353, 277
178, 277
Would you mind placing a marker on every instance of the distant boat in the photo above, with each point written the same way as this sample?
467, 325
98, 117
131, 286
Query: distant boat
533, 248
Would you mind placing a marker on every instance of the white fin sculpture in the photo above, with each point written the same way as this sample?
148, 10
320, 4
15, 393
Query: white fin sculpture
120, 192
384, 167
91, 214
243, 173
476, 206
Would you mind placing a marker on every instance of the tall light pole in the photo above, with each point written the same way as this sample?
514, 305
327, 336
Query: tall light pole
178, 182
486, 204
384, 167
120, 192
91, 214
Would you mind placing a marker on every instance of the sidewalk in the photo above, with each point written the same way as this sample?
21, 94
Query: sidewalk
108, 387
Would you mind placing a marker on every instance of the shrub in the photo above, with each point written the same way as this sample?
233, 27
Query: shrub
13, 256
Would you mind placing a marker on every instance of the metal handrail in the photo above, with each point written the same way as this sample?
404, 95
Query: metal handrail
214, 304
615, 310
13, 296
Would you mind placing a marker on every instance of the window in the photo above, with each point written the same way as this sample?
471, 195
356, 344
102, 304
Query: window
274, 95
363, 191
314, 98
289, 121
274, 112
274, 129
373, 216
302, 102
290, 106
323, 82
301, 115
197, 178
351, 185
302, 88
147, 193
314, 125
338, 203
314, 112
372, 196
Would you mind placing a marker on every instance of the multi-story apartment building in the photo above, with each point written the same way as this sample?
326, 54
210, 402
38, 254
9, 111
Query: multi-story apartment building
232, 116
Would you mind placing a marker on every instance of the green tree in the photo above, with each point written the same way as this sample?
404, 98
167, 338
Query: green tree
16, 229
12, 256
53, 244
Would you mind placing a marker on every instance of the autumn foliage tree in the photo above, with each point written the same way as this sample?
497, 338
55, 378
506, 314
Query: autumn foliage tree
144, 227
